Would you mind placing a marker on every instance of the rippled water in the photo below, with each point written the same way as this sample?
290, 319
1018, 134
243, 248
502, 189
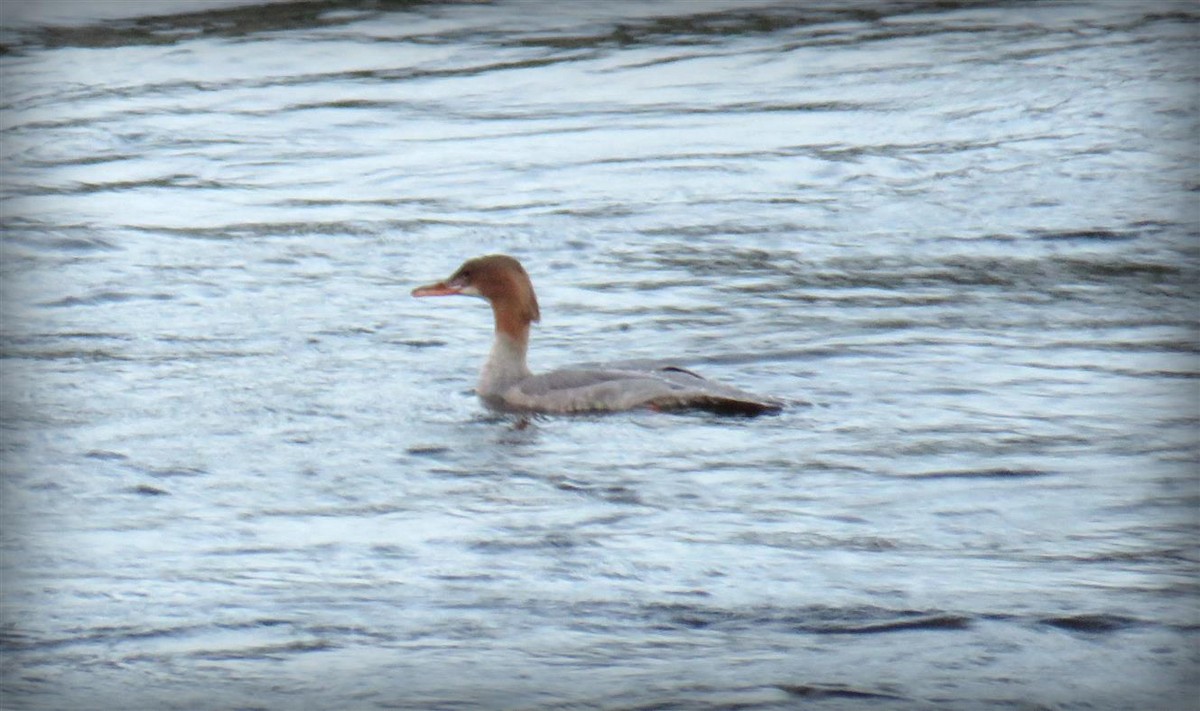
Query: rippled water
243, 469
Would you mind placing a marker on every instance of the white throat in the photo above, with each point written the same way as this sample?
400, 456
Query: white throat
505, 366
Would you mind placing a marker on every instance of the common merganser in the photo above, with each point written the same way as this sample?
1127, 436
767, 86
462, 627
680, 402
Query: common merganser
506, 383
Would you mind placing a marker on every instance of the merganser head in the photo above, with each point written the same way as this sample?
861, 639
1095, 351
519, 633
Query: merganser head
498, 278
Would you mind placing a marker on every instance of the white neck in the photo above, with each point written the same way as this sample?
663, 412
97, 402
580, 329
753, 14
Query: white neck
504, 367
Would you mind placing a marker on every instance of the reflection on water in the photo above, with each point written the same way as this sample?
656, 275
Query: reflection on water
241, 468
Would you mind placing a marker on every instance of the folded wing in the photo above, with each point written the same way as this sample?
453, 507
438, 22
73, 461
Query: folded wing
627, 388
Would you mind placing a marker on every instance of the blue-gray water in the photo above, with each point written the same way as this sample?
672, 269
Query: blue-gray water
242, 468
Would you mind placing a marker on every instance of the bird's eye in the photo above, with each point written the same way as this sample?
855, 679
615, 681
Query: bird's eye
465, 274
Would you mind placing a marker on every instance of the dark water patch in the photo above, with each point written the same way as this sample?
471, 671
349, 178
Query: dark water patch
1155, 226
382, 202
893, 324
552, 541
1156, 556
104, 635
105, 455
698, 618
1000, 473
852, 153
234, 232
80, 335
955, 390
812, 620
717, 26
597, 211
344, 332
244, 550
816, 541
391, 551
725, 261
611, 494
147, 490
654, 62
646, 285
699, 28
1147, 346
383, 76
1091, 623
825, 465
173, 472
76, 160
164, 29
1093, 235
897, 275
328, 512
1124, 372
815, 692
943, 441
282, 261
339, 104
107, 297
249, 230
750, 107
428, 450
92, 355
466, 577
930, 622
344, 632
712, 230
166, 181
390, 76
1172, 374
261, 622
880, 297
1099, 270
800, 354
52, 242
714, 159
519, 207
267, 651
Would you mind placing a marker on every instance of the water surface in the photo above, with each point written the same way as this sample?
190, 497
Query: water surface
243, 469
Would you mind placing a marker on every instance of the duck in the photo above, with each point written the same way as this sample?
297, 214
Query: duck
506, 383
